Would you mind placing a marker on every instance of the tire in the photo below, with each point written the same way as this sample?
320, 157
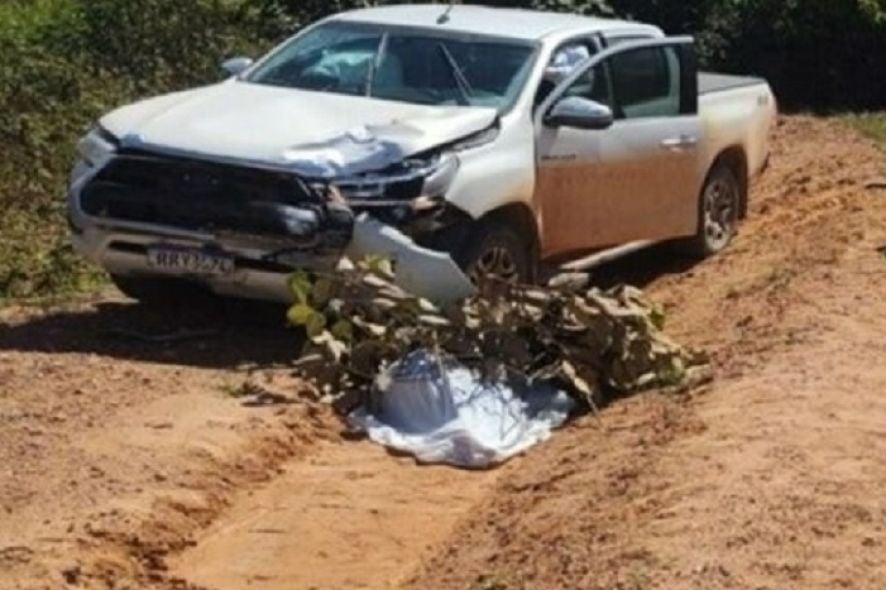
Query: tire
719, 210
158, 292
495, 248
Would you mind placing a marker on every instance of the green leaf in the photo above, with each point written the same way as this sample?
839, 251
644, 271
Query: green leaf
300, 313
434, 321
384, 303
580, 384
315, 324
374, 330
657, 317
343, 330
380, 265
322, 292
427, 307
300, 285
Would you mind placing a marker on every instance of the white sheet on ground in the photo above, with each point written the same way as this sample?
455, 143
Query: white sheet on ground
448, 415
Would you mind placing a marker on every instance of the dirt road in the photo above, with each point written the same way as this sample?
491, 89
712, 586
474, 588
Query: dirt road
127, 463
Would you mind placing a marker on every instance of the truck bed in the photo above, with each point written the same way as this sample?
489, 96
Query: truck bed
709, 82
736, 111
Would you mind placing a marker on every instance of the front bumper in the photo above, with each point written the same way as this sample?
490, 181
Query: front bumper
263, 263
124, 252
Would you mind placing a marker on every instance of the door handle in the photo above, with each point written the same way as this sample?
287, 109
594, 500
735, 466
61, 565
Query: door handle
681, 143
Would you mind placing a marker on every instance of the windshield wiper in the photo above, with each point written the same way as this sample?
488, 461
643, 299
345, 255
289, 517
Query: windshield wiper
464, 87
376, 63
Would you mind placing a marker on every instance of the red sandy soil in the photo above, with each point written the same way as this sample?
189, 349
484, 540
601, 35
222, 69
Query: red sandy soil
128, 464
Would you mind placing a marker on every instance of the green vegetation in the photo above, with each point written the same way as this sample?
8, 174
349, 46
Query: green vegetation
67, 61
818, 54
593, 344
872, 125
64, 63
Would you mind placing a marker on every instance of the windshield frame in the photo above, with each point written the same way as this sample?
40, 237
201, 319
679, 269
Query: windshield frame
385, 30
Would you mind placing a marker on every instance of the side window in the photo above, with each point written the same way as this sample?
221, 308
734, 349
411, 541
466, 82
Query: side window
646, 82
593, 84
563, 63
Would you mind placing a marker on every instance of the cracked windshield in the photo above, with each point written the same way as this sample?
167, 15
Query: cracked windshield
406, 65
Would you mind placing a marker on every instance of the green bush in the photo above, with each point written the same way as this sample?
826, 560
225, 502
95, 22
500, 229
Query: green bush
64, 63
872, 125
818, 54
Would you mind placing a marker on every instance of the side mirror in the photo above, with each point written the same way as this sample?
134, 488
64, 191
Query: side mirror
237, 65
581, 113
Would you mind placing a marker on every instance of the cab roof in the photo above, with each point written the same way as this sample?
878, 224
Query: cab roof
530, 25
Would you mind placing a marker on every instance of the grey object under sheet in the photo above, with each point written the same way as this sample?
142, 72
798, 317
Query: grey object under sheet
447, 414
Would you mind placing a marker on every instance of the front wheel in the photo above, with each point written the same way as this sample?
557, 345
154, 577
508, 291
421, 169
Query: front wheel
719, 206
494, 249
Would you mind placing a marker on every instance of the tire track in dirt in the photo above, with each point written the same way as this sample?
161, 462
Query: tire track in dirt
347, 516
114, 452
118, 454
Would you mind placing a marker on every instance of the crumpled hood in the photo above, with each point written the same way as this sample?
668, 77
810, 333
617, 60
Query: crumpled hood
299, 129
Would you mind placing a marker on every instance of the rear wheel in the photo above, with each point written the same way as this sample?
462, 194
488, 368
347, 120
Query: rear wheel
719, 212
158, 291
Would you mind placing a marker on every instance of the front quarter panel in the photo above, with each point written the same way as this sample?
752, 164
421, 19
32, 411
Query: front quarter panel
497, 174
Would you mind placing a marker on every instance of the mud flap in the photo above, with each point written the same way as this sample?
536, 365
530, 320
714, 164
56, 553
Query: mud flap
421, 271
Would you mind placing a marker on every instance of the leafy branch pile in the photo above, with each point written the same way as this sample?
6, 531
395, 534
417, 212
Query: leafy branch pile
593, 344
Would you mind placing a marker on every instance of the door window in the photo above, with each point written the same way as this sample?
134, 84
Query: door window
646, 82
594, 84
562, 64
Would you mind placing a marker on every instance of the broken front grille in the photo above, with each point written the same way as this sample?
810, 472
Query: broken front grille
203, 196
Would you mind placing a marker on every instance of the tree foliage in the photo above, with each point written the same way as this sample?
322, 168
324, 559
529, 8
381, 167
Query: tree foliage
64, 63
590, 343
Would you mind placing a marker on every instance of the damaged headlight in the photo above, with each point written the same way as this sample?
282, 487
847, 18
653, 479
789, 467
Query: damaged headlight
93, 151
97, 146
413, 179
417, 183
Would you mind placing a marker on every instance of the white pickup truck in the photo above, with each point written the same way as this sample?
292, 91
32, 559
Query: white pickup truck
503, 138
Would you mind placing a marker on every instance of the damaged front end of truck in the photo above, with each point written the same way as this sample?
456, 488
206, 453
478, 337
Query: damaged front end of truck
241, 227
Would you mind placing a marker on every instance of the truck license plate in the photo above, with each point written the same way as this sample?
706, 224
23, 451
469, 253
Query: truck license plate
189, 261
